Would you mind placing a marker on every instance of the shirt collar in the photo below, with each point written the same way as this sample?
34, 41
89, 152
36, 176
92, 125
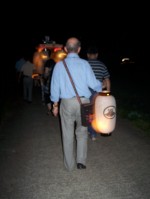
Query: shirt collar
72, 55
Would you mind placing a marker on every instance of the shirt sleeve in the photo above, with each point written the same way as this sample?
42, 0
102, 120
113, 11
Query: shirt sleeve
55, 89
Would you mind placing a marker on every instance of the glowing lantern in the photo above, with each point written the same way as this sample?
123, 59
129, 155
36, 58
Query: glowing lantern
104, 113
59, 55
38, 60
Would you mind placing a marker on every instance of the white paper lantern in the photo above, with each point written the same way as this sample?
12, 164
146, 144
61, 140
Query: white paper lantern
104, 113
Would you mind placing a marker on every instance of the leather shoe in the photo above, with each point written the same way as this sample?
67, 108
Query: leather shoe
81, 166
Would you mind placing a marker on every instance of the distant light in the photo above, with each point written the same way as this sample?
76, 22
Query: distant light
125, 59
56, 49
59, 55
35, 75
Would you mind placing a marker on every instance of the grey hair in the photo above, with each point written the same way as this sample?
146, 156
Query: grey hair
73, 46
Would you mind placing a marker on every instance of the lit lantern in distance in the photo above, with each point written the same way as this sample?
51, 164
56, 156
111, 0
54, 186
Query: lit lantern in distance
59, 55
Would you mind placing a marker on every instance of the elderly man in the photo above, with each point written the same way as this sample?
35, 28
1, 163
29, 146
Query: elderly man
62, 90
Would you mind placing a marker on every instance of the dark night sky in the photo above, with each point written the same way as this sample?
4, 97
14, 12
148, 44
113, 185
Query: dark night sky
110, 30
118, 29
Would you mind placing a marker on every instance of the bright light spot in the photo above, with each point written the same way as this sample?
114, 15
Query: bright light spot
125, 59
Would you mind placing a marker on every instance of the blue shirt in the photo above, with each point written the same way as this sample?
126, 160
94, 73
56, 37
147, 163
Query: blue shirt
82, 75
19, 64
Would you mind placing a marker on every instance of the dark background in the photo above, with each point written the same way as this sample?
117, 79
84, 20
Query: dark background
118, 29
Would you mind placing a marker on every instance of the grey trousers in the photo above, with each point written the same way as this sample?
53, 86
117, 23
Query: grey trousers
27, 88
75, 150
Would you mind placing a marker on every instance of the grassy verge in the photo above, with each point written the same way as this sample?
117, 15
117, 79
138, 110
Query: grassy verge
132, 99
138, 118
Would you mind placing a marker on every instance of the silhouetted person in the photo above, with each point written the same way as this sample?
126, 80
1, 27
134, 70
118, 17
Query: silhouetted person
48, 69
102, 74
27, 70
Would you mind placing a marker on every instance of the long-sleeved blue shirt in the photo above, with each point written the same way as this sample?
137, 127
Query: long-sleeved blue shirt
82, 75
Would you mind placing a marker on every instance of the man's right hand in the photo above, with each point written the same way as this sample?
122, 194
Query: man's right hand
55, 111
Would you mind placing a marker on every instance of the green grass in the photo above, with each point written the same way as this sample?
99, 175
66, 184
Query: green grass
138, 118
133, 102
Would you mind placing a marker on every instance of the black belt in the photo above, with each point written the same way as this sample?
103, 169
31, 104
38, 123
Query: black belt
26, 76
79, 96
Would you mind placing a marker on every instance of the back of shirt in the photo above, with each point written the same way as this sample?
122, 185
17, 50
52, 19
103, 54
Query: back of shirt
82, 75
99, 68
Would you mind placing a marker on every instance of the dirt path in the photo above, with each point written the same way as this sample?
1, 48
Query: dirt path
31, 160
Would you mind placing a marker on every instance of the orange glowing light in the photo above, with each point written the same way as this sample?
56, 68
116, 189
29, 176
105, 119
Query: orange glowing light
35, 76
100, 127
59, 55
56, 49
49, 46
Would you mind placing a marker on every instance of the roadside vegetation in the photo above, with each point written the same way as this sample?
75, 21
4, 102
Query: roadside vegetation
134, 109
131, 91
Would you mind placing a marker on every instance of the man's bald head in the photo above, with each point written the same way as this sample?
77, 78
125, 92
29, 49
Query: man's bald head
73, 45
